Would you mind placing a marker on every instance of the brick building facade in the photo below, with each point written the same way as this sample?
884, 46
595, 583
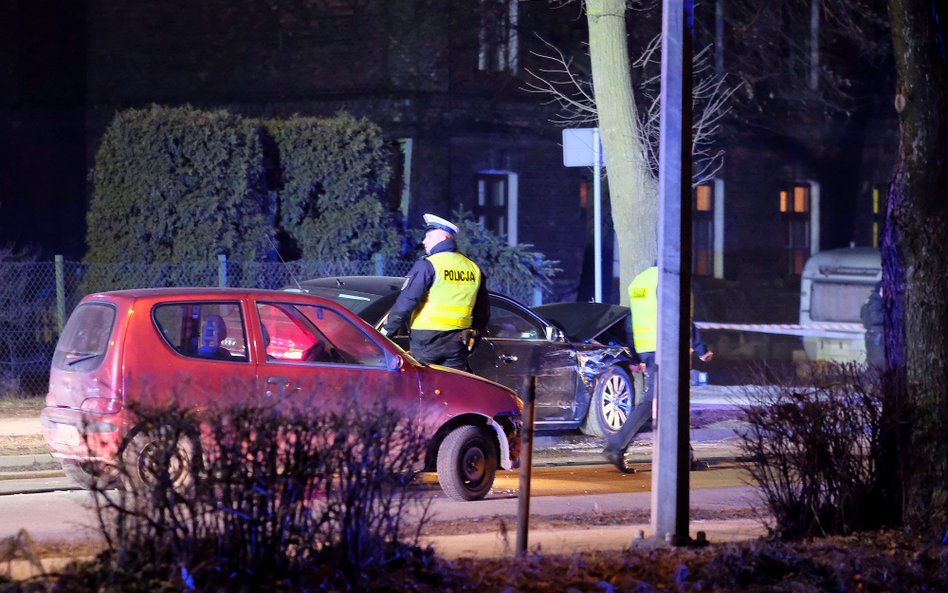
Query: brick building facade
444, 79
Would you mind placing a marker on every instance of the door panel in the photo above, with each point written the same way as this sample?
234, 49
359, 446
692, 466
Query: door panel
316, 356
515, 350
195, 351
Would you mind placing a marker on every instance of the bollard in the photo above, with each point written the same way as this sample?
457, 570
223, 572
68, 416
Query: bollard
526, 469
222, 270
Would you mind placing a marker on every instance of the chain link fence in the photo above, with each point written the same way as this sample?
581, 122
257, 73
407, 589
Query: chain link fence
37, 297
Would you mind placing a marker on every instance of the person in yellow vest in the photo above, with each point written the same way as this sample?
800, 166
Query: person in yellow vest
643, 302
443, 301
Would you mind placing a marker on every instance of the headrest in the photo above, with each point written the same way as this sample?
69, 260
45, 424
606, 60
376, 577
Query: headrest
215, 330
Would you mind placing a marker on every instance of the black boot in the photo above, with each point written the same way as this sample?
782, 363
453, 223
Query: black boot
618, 459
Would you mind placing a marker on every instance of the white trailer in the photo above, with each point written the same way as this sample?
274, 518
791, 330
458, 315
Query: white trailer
834, 285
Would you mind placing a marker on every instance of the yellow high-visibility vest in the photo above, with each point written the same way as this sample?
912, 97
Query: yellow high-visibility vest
643, 300
450, 300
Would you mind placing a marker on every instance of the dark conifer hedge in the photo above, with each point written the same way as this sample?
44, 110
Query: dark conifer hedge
177, 184
333, 174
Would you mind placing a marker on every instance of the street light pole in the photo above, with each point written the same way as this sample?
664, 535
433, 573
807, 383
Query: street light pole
597, 214
671, 455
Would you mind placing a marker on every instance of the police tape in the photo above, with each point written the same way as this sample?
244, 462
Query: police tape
841, 331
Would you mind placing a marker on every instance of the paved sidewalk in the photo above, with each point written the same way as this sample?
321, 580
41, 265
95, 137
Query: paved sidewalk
600, 538
16, 465
19, 426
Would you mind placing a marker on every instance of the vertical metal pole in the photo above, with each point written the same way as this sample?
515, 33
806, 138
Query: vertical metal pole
597, 213
526, 469
671, 456
60, 293
379, 260
222, 270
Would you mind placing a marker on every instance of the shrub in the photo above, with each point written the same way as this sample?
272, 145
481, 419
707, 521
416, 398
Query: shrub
174, 185
263, 497
333, 175
514, 270
814, 451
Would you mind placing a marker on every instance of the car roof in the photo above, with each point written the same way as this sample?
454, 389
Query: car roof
197, 292
370, 297
580, 321
376, 285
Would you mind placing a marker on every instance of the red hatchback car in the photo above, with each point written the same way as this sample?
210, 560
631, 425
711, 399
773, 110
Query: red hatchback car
195, 346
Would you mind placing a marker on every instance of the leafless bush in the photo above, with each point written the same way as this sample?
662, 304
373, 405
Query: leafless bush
241, 499
814, 450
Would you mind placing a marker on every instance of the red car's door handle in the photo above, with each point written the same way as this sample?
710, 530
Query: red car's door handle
280, 382
508, 358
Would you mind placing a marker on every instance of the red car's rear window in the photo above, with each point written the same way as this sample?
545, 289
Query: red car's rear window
85, 339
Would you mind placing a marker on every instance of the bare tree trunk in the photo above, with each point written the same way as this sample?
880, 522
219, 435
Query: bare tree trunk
915, 260
633, 190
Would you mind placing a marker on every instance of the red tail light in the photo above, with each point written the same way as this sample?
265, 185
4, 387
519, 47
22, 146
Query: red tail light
101, 405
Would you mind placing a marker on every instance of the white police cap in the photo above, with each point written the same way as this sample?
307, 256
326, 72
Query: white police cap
436, 222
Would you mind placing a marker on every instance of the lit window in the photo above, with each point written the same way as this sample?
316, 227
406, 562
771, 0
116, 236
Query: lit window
795, 211
702, 224
879, 196
497, 37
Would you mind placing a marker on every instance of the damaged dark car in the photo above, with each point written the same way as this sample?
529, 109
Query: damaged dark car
576, 351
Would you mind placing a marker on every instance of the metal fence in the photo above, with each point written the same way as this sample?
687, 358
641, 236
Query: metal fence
37, 297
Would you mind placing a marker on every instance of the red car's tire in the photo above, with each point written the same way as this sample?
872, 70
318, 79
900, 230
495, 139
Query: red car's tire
467, 463
90, 475
153, 457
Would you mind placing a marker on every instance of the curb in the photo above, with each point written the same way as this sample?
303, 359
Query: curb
21, 463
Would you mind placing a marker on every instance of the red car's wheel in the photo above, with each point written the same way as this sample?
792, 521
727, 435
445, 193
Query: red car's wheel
467, 463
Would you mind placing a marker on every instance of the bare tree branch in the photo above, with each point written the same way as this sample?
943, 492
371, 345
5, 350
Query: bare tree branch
572, 93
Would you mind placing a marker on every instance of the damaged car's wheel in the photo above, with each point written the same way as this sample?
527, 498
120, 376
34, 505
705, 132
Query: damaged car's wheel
611, 403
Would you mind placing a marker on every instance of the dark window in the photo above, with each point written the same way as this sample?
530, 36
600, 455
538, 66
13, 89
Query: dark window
507, 324
831, 301
795, 211
702, 222
211, 330
85, 339
497, 36
491, 209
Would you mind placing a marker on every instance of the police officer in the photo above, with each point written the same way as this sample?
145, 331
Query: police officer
443, 301
643, 301
873, 316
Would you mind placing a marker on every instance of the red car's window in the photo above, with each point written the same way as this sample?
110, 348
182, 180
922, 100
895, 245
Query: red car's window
85, 339
316, 334
208, 330
285, 333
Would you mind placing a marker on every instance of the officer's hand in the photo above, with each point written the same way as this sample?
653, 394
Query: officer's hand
470, 338
706, 356
384, 332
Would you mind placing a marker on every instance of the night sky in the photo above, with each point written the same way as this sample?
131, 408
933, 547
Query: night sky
43, 163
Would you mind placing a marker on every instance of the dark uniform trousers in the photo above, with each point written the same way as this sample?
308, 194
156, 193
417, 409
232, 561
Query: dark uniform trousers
440, 347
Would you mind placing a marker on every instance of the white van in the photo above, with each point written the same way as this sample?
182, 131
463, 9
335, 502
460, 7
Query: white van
834, 285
